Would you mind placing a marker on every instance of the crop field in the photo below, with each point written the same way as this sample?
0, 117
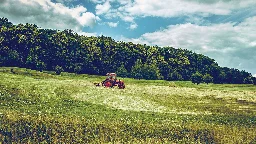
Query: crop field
41, 107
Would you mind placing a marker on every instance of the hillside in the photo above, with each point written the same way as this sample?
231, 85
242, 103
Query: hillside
29, 46
45, 107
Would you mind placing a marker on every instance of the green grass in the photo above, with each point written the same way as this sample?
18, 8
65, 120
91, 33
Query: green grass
44, 107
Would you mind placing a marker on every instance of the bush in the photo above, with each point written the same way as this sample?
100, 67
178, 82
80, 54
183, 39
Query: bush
207, 78
197, 78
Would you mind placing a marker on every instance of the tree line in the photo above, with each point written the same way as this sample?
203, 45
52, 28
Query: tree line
28, 46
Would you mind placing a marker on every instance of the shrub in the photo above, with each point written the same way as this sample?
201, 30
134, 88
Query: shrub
197, 78
207, 78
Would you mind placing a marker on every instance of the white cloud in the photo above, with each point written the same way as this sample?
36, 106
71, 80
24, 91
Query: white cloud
87, 34
229, 45
134, 40
196, 20
87, 19
60, 1
131, 9
98, 18
254, 75
97, 1
102, 8
195, 10
47, 14
124, 2
172, 8
112, 24
133, 26
127, 18
65, 1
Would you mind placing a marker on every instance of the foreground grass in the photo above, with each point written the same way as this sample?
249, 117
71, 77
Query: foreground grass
42, 107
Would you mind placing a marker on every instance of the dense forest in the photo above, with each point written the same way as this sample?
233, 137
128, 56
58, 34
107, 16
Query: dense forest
28, 46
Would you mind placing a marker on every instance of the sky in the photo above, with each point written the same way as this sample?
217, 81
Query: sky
224, 30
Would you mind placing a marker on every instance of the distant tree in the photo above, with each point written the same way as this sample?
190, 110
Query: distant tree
248, 80
221, 77
40, 66
122, 72
151, 71
137, 70
78, 68
254, 80
58, 70
174, 76
197, 78
5, 22
27, 45
207, 78
145, 71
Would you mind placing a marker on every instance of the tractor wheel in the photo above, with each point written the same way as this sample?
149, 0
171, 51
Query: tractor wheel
107, 84
121, 86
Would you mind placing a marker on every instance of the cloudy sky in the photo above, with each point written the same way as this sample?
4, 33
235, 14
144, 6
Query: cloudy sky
224, 30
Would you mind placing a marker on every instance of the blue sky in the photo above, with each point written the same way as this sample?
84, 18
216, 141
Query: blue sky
224, 30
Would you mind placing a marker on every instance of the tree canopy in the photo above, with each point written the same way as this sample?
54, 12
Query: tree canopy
197, 78
28, 46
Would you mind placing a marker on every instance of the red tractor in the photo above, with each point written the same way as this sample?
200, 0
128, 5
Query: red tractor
112, 81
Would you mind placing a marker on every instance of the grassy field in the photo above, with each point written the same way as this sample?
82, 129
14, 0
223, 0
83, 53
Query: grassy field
43, 107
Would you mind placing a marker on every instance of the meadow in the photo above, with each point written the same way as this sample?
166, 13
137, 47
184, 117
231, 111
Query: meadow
41, 107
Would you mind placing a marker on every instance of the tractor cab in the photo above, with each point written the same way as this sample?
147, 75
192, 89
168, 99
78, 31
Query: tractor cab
111, 76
